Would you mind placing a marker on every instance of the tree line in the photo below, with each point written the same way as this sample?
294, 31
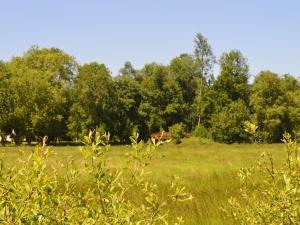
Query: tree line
46, 92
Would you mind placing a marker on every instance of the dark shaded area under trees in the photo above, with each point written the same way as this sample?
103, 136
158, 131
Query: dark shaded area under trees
46, 92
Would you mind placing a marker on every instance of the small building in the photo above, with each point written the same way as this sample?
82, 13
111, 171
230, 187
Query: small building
162, 135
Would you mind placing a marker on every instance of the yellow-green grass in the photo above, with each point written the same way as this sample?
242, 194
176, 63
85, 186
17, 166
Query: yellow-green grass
209, 171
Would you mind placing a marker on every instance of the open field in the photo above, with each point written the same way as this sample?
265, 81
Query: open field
207, 170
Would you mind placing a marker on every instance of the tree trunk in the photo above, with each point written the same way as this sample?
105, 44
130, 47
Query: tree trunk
200, 101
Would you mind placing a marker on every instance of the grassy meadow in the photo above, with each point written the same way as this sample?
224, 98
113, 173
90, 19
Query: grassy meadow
209, 171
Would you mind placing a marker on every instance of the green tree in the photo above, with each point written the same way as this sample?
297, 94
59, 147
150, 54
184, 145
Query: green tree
128, 70
233, 79
6, 107
269, 102
227, 125
127, 101
93, 105
205, 60
176, 108
162, 102
291, 119
40, 83
153, 101
294, 113
290, 83
183, 70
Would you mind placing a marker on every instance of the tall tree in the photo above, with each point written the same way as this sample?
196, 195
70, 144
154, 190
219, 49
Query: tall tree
128, 100
176, 108
205, 60
291, 88
183, 70
153, 101
269, 100
6, 108
40, 82
233, 79
128, 70
93, 100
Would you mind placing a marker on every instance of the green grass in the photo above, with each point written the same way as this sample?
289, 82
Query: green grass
209, 171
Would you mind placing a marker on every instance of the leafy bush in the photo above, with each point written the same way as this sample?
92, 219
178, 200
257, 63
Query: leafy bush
297, 134
201, 132
226, 125
34, 193
275, 197
178, 132
251, 128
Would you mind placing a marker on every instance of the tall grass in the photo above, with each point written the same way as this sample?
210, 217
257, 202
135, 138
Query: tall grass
209, 172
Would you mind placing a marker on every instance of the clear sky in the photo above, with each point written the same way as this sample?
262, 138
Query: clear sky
142, 31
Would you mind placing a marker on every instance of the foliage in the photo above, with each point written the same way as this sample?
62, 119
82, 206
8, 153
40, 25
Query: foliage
46, 92
93, 94
5, 98
38, 90
274, 199
183, 72
32, 193
234, 75
209, 172
226, 125
128, 99
205, 60
201, 132
276, 104
251, 128
204, 55
178, 131
153, 102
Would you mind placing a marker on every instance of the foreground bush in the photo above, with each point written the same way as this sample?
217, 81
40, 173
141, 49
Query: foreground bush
274, 198
33, 193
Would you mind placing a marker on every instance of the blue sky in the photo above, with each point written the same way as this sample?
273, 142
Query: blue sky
267, 32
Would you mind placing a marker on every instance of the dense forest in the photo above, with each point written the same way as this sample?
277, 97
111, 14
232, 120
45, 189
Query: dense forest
46, 92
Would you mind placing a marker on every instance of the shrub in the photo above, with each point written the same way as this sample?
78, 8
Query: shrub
226, 124
251, 128
201, 132
296, 133
33, 193
177, 132
275, 197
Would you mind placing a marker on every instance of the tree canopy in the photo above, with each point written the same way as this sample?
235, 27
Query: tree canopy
46, 92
